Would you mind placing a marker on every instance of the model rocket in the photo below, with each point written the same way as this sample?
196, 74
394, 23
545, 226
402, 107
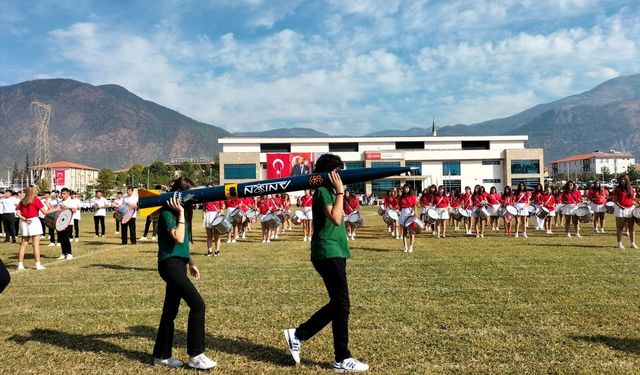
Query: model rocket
151, 201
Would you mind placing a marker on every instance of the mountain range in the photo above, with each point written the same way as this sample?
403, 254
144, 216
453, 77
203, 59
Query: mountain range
108, 126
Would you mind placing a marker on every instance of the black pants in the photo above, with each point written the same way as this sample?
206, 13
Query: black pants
44, 227
5, 278
1, 226
98, 221
63, 238
76, 228
173, 272
117, 225
131, 225
52, 235
149, 223
334, 274
9, 221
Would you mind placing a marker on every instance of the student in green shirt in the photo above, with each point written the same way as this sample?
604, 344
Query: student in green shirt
174, 235
329, 253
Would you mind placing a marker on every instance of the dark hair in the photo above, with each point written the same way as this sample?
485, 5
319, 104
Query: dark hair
65, 189
130, 187
410, 190
158, 187
507, 191
99, 191
184, 183
119, 192
625, 178
566, 186
493, 189
523, 189
327, 163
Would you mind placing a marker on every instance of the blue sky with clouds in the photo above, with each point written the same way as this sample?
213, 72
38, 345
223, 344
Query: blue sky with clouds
339, 66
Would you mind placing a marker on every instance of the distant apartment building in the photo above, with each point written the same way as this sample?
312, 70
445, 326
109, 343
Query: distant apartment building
454, 162
73, 176
575, 165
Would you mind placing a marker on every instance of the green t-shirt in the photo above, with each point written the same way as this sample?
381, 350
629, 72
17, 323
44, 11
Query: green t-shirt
329, 240
167, 246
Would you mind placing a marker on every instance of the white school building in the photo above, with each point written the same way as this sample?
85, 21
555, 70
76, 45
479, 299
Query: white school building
592, 163
454, 162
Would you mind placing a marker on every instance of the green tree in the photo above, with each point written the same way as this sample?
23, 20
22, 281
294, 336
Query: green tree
606, 174
43, 185
633, 174
187, 170
136, 175
106, 180
159, 173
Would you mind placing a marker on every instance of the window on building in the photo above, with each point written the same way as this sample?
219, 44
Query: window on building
343, 147
450, 168
491, 162
525, 166
240, 171
380, 187
385, 164
528, 182
275, 147
490, 180
414, 164
449, 185
410, 145
354, 164
475, 145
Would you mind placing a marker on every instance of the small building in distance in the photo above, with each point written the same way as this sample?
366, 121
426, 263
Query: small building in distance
73, 176
592, 163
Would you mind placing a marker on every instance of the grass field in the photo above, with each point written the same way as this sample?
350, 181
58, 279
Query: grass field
460, 305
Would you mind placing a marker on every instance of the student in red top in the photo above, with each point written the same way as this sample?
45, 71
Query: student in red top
442, 204
426, 200
286, 205
264, 207
211, 211
231, 205
598, 196
557, 194
27, 211
391, 203
493, 199
571, 197
278, 207
456, 201
624, 197
521, 199
408, 215
548, 202
467, 204
306, 201
350, 206
507, 200
536, 198
479, 201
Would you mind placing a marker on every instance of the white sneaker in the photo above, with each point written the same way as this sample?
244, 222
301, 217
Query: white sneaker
116, 232
268, 241
51, 244
568, 235
20, 266
411, 249
69, 257
202, 362
40, 267
264, 241
228, 241
59, 244
516, 235
293, 343
276, 236
350, 365
61, 257
549, 232
633, 245
620, 246
404, 249
244, 235
578, 235
524, 235
144, 238
233, 241
77, 239
169, 362
153, 238
397, 237
304, 239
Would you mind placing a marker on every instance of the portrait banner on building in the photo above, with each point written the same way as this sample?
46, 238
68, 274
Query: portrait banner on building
59, 177
289, 164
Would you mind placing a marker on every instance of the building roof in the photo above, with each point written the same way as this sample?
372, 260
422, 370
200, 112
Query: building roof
365, 139
595, 154
64, 164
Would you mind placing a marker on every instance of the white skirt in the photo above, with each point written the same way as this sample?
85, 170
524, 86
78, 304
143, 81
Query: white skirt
522, 209
209, 217
569, 209
623, 212
405, 213
33, 229
598, 207
493, 209
308, 213
443, 213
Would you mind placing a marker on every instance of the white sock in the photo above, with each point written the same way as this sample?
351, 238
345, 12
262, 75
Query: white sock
37, 264
20, 264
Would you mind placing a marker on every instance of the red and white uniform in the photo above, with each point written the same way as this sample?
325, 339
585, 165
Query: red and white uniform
30, 212
570, 201
350, 205
549, 202
306, 201
426, 200
391, 203
407, 204
211, 211
442, 203
624, 202
494, 201
467, 202
598, 199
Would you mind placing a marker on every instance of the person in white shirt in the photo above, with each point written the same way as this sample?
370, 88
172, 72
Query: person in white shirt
100, 204
77, 216
1, 213
9, 204
63, 237
132, 201
52, 203
115, 204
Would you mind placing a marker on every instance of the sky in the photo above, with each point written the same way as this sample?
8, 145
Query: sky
343, 67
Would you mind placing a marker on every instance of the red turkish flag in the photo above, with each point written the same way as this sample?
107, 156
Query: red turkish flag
278, 165
59, 177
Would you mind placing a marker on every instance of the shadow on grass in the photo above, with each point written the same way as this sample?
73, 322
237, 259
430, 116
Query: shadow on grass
374, 249
117, 267
80, 343
97, 343
236, 346
98, 243
621, 344
574, 244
